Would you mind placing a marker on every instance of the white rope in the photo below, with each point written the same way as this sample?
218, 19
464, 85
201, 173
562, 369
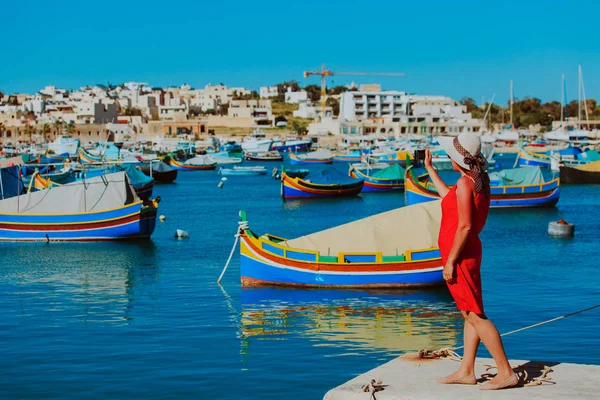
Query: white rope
242, 226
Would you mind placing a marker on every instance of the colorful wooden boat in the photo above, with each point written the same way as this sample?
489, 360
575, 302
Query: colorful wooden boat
354, 156
375, 252
312, 158
544, 160
398, 157
161, 172
292, 145
263, 156
292, 173
243, 171
580, 174
388, 179
544, 194
190, 166
327, 183
99, 209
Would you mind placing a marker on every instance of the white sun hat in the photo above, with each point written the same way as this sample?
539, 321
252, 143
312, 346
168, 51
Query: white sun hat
468, 140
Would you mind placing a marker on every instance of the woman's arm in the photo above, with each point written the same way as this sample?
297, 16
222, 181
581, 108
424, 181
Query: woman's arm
439, 184
465, 188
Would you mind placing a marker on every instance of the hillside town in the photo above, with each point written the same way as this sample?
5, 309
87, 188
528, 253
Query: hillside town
140, 112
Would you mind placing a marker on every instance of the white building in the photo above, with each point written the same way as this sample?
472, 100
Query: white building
398, 112
267, 92
310, 111
258, 110
295, 97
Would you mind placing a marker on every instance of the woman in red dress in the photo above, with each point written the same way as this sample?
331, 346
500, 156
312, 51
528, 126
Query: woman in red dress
464, 212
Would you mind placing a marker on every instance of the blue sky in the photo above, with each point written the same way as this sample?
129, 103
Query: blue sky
455, 48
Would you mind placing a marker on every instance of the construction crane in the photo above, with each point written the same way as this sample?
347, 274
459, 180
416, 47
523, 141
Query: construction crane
324, 72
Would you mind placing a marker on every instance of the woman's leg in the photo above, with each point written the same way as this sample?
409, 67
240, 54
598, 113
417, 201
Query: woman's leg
490, 337
471, 343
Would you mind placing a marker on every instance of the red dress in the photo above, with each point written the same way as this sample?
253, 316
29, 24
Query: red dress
466, 290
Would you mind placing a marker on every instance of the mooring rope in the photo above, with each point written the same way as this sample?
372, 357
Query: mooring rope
242, 226
525, 379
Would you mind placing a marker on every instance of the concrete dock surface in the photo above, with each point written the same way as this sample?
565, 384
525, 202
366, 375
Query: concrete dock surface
417, 380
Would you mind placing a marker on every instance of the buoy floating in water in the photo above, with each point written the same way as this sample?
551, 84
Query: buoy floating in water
181, 234
222, 182
561, 228
162, 218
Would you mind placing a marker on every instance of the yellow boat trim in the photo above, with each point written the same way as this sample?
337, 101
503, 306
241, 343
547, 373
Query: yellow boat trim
68, 223
259, 241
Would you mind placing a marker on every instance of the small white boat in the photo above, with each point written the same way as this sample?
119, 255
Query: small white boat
223, 158
243, 171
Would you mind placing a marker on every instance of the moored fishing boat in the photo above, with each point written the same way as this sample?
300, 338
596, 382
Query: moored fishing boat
223, 158
353, 156
198, 163
398, 157
98, 209
160, 171
243, 171
327, 183
292, 173
273, 155
374, 252
388, 179
290, 145
514, 188
315, 157
580, 174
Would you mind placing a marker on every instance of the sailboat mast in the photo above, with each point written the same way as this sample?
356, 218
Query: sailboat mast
587, 117
511, 104
562, 99
579, 99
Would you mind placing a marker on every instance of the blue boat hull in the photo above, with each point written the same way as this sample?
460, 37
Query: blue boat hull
129, 222
258, 271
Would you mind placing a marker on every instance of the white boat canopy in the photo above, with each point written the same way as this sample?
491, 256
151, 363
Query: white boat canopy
96, 194
391, 233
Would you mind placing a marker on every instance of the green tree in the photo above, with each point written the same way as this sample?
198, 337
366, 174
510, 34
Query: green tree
45, 131
313, 92
337, 90
334, 104
58, 126
300, 127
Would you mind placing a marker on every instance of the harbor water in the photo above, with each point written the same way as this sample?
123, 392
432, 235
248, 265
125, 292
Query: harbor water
148, 320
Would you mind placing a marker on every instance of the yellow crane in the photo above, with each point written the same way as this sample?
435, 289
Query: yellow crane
324, 73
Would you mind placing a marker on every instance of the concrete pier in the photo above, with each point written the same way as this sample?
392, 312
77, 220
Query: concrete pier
416, 380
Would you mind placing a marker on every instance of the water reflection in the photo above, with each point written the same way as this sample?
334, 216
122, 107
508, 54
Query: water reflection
75, 280
394, 322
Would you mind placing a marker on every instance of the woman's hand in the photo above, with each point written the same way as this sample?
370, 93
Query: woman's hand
427, 160
449, 272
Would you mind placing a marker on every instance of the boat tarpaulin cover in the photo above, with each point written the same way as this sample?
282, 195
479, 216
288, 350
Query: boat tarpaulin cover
391, 233
10, 183
517, 177
201, 160
393, 172
590, 167
161, 167
9, 162
136, 177
322, 154
589, 156
96, 194
332, 176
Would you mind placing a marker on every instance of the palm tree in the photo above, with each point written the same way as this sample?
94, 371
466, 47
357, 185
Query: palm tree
29, 131
2, 126
71, 129
46, 130
58, 125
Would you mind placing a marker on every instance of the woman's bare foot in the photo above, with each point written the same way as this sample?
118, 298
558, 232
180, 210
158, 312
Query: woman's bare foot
459, 378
